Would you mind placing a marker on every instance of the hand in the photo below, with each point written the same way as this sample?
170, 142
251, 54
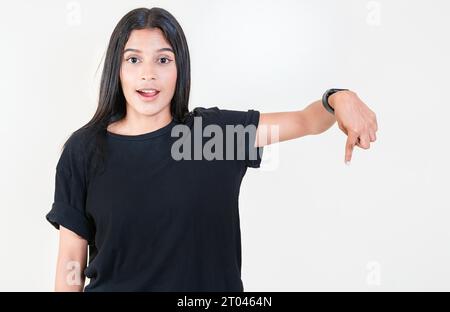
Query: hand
355, 119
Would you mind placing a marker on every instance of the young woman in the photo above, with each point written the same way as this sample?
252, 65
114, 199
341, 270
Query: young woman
150, 219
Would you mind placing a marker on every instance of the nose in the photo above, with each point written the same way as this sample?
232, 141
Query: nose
148, 73
148, 78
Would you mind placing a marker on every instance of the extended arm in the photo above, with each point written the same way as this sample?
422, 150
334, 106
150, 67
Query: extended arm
354, 118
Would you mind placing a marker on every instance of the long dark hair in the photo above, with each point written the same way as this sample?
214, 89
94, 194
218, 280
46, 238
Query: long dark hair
111, 102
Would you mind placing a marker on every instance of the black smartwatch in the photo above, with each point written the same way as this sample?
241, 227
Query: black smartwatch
325, 97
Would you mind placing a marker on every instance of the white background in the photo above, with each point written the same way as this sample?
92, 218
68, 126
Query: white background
309, 223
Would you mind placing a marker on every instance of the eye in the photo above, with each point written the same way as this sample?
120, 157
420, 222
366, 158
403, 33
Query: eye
132, 58
167, 60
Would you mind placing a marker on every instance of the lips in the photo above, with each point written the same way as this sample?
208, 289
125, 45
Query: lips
147, 94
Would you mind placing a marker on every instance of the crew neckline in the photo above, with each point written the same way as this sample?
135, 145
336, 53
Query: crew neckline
143, 136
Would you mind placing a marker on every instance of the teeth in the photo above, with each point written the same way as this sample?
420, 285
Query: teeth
148, 90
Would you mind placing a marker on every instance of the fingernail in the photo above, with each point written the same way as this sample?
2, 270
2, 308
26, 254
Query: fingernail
347, 162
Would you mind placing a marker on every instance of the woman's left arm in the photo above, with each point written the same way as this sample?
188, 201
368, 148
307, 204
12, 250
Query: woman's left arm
354, 118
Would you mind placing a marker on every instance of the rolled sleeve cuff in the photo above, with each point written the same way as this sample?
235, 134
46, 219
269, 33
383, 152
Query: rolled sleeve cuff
70, 218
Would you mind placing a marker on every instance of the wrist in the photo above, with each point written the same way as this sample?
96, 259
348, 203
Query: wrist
337, 97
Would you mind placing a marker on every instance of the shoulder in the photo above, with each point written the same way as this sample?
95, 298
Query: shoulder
206, 112
76, 149
207, 115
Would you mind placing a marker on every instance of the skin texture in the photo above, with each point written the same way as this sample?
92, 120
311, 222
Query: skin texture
71, 262
148, 68
153, 69
353, 116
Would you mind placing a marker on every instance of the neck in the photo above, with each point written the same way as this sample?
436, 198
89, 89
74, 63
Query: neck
136, 124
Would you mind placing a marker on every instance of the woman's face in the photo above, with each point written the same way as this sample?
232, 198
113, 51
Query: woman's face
148, 63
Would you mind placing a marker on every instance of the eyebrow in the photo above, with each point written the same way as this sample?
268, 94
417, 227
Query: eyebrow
139, 51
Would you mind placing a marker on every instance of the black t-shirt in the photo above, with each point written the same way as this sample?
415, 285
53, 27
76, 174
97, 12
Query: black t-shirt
154, 223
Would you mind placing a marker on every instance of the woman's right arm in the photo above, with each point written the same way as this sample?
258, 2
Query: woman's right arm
72, 257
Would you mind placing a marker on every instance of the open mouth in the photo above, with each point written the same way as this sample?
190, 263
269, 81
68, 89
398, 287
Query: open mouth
148, 94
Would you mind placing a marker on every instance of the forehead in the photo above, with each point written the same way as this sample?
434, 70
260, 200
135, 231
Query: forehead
147, 40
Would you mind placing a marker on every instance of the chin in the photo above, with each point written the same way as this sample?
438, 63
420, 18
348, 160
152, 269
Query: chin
148, 109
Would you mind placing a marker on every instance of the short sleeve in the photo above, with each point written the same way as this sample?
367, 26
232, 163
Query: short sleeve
249, 119
68, 208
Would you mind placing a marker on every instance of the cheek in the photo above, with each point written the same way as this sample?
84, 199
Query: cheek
127, 78
170, 78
